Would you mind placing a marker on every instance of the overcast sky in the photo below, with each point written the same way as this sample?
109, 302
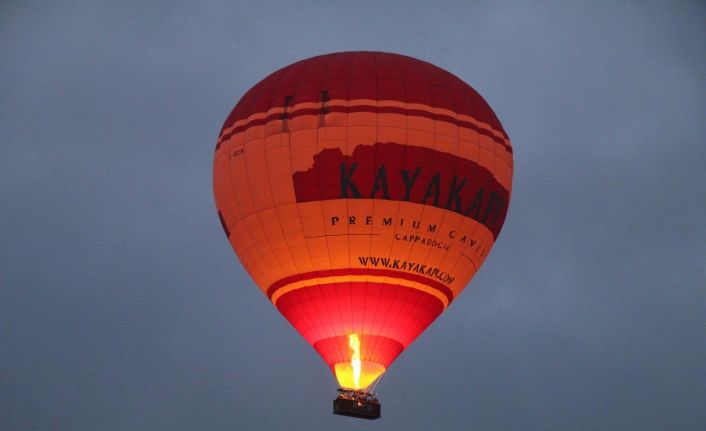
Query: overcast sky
123, 307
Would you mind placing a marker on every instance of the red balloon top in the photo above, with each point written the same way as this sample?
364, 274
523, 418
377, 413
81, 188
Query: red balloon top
364, 75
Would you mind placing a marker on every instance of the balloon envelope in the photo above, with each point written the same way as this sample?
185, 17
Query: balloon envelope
362, 191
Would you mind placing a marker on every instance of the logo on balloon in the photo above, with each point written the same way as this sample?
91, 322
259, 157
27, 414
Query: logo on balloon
406, 173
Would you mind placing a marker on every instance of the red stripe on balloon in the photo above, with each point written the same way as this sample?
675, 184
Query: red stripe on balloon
372, 110
361, 271
364, 75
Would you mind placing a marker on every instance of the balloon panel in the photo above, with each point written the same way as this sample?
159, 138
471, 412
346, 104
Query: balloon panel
362, 191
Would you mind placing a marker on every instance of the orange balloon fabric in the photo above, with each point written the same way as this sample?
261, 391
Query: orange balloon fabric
362, 191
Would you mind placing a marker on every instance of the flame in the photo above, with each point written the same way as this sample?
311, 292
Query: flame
354, 344
357, 373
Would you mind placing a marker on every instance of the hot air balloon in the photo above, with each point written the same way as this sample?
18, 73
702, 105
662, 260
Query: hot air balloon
362, 191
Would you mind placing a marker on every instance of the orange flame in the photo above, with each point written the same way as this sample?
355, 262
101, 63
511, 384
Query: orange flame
357, 373
354, 344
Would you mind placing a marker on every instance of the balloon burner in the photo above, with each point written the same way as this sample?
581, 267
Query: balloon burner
357, 404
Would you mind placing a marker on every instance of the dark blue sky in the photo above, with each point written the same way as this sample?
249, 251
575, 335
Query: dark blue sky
122, 306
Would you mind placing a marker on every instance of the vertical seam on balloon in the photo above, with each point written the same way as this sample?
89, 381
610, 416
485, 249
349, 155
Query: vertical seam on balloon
437, 151
310, 304
459, 256
377, 317
274, 207
386, 314
328, 325
335, 297
411, 249
406, 309
426, 82
369, 319
331, 267
348, 147
254, 246
373, 317
461, 218
341, 325
445, 77
329, 329
364, 329
472, 233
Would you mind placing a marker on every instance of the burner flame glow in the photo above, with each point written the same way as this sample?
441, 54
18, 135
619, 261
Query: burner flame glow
354, 344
